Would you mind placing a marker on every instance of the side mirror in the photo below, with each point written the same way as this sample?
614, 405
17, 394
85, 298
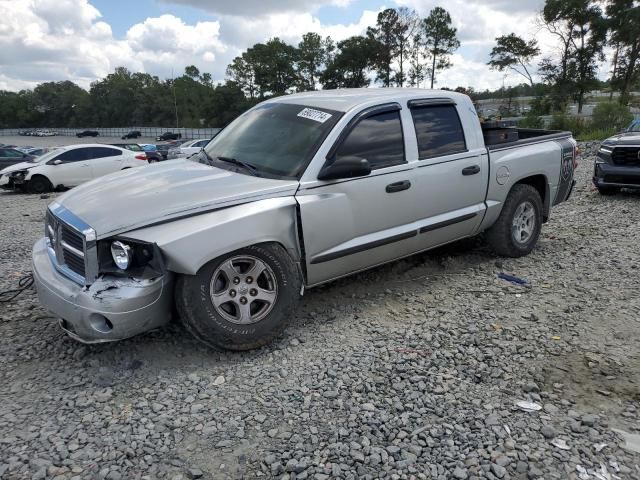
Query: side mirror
346, 167
56, 162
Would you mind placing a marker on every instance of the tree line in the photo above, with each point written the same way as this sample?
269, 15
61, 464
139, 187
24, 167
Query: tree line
402, 49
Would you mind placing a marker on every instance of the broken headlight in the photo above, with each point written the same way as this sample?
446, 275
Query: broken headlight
122, 256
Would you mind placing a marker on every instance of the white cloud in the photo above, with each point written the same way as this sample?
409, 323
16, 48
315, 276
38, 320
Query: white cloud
51, 40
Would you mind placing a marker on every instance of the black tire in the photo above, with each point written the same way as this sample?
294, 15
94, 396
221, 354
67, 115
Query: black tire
39, 184
608, 190
501, 237
203, 320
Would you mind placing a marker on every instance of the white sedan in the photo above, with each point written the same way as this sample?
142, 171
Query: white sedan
69, 166
187, 149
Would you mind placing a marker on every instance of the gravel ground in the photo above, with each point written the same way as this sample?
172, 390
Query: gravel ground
411, 370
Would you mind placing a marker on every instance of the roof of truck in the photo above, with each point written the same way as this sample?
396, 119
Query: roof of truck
345, 99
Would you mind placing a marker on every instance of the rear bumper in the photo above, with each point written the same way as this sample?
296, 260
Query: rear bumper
111, 309
607, 175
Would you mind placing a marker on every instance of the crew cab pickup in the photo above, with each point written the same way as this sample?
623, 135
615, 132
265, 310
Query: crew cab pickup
618, 162
296, 192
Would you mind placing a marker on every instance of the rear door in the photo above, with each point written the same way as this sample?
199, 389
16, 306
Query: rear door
451, 174
353, 223
105, 160
74, 168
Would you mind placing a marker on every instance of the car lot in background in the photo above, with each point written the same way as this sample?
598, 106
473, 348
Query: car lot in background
11, 156
68, 167
149, 150
87, 133
187, 149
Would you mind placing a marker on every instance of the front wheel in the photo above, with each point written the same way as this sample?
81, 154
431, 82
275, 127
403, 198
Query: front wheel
517, 229
39, 184
242, 300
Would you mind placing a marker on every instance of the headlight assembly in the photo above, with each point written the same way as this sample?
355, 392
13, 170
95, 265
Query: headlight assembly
122, 255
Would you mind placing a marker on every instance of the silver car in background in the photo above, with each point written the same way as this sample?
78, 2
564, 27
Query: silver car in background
187, 149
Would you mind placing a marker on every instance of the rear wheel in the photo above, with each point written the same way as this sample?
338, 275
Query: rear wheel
39, 184
242, 300
517, 229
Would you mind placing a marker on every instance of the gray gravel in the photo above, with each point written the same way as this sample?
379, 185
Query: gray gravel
412, 370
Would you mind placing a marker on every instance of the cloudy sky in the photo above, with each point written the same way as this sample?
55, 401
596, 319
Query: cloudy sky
82, 40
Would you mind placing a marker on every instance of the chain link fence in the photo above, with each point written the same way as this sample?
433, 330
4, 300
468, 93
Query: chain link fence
147, 132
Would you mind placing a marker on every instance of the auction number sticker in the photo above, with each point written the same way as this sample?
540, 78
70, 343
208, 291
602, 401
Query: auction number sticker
315, 115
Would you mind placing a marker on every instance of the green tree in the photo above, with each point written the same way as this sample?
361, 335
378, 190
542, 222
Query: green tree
313, 53
611, 115
408, 22
624, 24
440, 40
582, 28
385, 40
242, 71
417, 70
350, 66
192, 71
514, 53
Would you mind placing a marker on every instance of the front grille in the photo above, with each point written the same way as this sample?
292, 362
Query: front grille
72, 238
66, 247
626, 155
74, 262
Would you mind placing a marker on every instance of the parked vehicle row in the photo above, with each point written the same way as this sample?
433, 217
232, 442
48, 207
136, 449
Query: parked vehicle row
38, 133
298, 191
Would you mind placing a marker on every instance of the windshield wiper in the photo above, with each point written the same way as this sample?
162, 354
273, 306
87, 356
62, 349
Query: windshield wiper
247, 166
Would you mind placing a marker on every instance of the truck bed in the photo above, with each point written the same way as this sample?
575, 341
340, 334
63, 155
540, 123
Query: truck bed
528, 136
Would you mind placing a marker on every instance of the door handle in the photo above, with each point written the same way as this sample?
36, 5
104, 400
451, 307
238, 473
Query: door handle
398, 186
471, 170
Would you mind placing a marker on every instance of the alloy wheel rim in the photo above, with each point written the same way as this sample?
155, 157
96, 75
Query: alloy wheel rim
524, 223
243, 289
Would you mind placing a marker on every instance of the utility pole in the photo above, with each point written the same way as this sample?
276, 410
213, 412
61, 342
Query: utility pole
175, 101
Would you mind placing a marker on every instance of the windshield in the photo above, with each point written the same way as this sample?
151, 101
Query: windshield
276, 138
46, 156
635, 127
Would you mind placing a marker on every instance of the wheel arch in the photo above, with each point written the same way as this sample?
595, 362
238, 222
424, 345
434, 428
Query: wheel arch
189, 243
36, 176
541, 184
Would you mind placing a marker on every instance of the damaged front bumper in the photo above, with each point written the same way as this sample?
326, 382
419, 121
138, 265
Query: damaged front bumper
112, 308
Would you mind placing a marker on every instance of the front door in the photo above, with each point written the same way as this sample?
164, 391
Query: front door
74, 168
351, 224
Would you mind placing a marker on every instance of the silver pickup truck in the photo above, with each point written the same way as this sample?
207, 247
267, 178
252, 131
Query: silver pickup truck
298, 191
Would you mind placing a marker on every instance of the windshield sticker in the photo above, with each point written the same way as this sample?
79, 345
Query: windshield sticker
315, 115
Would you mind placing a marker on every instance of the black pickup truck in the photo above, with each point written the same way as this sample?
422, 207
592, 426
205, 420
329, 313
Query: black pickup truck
618, 163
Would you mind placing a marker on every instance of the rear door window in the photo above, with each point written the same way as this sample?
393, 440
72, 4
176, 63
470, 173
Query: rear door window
102, 152
378, 139
439, 131
75, 155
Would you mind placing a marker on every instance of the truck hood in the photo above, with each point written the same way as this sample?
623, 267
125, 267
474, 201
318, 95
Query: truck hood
139, 197
629, 138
